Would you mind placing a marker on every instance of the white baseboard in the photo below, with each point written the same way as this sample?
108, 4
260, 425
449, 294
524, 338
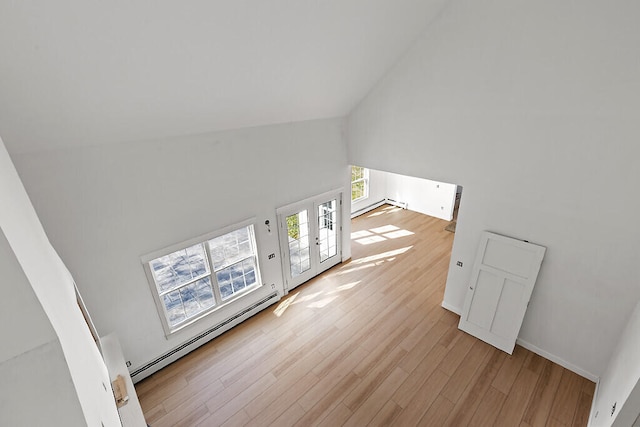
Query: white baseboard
558, 360
539, 351
369, 208
397, 203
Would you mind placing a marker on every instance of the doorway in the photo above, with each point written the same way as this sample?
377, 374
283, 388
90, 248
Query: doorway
310, 235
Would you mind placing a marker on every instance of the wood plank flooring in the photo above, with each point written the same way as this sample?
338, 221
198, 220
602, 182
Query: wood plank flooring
366, 343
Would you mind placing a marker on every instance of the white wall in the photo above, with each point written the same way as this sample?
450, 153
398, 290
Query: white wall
533, 107
619, 379
32, 365
50, 367
106, 206
37, 390
35, 329
423, 195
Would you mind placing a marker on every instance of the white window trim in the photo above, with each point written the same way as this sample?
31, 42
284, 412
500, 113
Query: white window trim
162, 310
364, 179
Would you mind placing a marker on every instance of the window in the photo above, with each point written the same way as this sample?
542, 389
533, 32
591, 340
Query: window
359, 183
191, 281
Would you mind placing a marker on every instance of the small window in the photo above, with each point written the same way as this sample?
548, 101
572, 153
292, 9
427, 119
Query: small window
190, 282
359, 183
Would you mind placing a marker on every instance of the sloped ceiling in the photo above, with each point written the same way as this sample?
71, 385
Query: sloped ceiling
76, 72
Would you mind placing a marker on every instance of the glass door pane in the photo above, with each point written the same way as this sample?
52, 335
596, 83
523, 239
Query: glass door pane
327, 238
298, 237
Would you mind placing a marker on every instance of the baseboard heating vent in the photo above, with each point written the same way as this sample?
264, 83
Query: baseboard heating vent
203, 335
402, 205
368, 208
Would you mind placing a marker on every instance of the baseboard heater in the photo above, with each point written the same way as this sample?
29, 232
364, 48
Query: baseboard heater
366, 209
203, 335
402, 205
375, 205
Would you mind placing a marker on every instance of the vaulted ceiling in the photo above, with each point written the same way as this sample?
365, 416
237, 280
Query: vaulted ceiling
76, 72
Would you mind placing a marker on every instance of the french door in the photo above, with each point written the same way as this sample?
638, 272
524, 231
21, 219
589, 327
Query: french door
310, 235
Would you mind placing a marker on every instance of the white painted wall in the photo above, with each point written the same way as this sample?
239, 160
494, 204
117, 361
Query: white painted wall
105, 206
619, 379
51, 369
377, 190
423, 195
37, 390
35, 329
30, 348
533, 107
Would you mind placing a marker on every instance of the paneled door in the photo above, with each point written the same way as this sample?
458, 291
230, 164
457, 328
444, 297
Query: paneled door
502, 281
310, 235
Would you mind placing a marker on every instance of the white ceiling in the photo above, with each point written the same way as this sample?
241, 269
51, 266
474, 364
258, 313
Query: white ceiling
76, 72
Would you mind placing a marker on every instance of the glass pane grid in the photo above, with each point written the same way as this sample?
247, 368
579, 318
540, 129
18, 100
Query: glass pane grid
188, 301
299, 251
327, 231
183, 278
357, 172
179, 268
237, 277
231, 248
358, 190
359, 177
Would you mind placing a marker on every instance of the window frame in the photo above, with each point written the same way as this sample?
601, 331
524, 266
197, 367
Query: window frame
364, 179
219, 302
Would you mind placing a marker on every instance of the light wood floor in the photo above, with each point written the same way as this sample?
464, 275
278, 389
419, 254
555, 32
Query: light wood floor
366, 343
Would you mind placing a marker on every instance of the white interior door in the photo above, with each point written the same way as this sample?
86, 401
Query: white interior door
502, 280
310, 235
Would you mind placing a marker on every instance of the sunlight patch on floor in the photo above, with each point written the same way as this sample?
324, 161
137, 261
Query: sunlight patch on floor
379, 234
385, 229
382, 255
371, 261
307, 297
346, 286
322, 303
282, 307
376, 214
399, 233
356, 268
360, 234
387, 210
370, 240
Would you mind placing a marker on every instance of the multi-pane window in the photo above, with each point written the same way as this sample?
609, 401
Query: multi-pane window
191, 281
359, 183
